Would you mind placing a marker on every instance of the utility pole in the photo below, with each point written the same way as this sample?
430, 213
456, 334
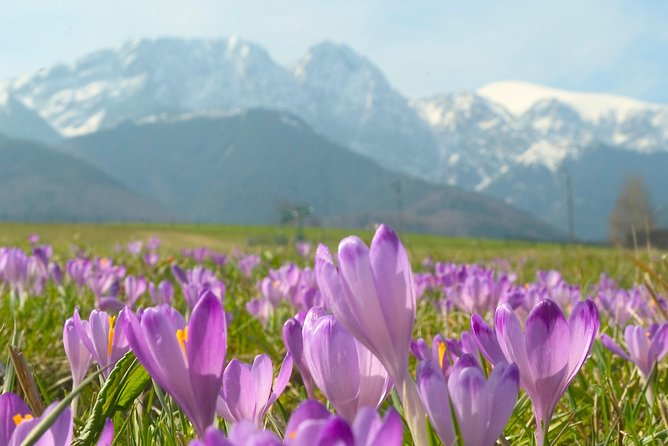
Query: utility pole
396, 185
569, 207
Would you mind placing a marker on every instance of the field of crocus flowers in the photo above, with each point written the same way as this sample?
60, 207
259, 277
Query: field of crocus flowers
218, 336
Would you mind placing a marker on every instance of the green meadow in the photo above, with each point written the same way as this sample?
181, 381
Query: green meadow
605, 404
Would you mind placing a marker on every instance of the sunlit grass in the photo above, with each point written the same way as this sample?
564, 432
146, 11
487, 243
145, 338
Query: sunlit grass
604, 405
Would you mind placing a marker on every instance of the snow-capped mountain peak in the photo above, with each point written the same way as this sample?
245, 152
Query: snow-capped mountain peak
518, 97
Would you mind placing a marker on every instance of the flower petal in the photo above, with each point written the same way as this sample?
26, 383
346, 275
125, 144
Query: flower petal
548, 349
308, 410
513, 344
486, 340
434, 394
611, 345
10, 406
331, 355
503, 382
205, 348
395, 288
583, 326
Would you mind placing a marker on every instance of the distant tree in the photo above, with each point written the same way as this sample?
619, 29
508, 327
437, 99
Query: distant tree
632, 213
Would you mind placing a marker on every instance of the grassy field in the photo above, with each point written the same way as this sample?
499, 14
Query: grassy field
577, 262
604, 405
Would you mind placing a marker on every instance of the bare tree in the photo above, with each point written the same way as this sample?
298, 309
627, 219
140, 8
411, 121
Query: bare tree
633, 213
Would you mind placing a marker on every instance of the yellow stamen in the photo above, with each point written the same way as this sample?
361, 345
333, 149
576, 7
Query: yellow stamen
112, 320
182, 336
292, 435
441, 353
276, 284
18, 418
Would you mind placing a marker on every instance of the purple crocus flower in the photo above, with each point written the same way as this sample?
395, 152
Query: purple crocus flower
56, 273
623, 305
294, 344
303, 248
312, 425
78, 269
16, 423
548, 354
134, 288
445, 352
199, 255
12, 411
107, 434
247, 392
151, 258
218, 258
153, 243
482, 407
373, 295
248, 263
77, 354
103, 280
308, 294
213, 437
14, 266
271, 291
193, 282
260, 309
104, 336
244, 433
645, 347
185, 360
135, 247
346, 372
163, 293
479, 292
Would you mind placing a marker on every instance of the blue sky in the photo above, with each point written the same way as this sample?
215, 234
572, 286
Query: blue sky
423, 47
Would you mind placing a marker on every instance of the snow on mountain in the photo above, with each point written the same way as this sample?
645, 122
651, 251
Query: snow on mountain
519, 97
335, 90
149, 77
354, 104
586, 117
468, 139
478, 139
506, 124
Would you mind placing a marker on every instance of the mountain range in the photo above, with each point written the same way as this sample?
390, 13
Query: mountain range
40, 184
242, 168
513, 141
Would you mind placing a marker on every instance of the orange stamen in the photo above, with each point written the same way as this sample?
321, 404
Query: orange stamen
112, 320
441, 353
182, 336
18, 418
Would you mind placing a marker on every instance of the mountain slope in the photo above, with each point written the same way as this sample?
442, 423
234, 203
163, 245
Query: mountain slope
18, 121
241, 168
595, 188
355, 105
38, 184
338, 92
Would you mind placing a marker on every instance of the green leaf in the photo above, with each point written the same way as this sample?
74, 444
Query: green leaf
125, 383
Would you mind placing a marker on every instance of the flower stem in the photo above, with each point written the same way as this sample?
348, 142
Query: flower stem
414, 411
